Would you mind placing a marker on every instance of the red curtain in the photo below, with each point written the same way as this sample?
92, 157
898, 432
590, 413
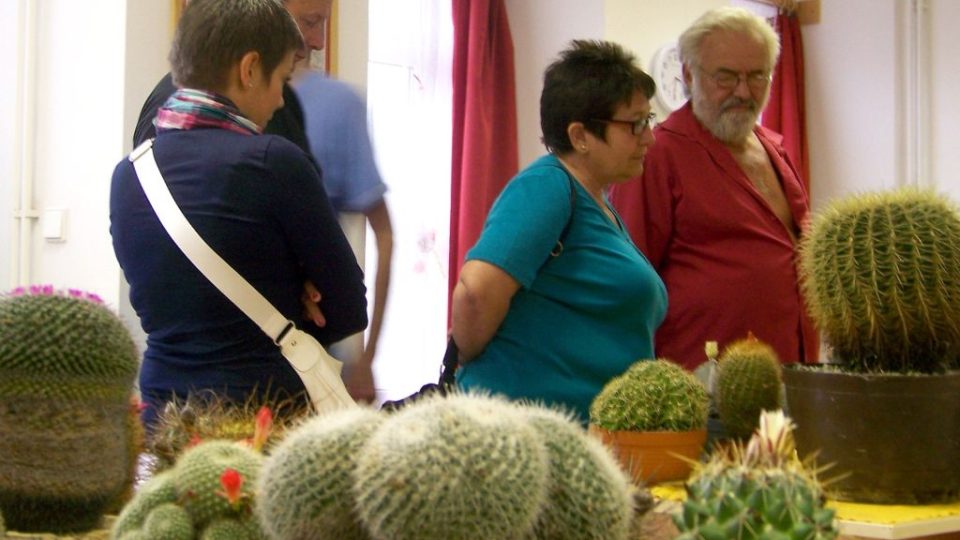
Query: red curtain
485, 151
786, 111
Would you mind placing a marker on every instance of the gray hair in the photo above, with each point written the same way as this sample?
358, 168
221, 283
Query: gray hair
731, 19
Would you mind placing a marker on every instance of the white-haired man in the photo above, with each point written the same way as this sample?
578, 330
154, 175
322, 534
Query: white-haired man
719, 207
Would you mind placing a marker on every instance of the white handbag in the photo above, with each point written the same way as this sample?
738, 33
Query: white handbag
319, 371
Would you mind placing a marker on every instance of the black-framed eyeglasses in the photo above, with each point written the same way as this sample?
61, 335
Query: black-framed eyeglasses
636, 126
728, 80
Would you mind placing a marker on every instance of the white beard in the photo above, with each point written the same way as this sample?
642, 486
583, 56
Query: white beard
729, 126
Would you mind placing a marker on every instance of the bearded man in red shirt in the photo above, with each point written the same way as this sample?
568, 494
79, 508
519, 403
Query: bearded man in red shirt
720, 206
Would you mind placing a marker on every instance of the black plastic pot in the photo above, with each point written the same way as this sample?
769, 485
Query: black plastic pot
896, 437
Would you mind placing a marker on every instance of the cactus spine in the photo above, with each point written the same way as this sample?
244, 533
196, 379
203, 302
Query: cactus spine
464, 466
879, 274
67, 366
748, 382
652, 395
589, 495
756, 492
306, 485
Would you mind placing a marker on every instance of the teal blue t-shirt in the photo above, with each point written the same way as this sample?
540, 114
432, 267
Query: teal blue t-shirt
580, 319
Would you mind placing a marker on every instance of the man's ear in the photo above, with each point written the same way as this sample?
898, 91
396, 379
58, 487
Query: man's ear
687, 77
249, 69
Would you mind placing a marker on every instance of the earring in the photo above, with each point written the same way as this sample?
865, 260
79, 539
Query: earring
583, 147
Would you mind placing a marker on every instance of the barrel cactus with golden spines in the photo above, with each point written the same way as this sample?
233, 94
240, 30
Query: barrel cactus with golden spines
879, 274
67, 367
757, 491
748, 382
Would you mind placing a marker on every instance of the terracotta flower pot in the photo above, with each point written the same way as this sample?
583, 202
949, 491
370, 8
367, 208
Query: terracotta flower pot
895, 437
652, 457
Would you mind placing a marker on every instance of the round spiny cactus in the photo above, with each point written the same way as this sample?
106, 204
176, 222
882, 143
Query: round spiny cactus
306, 485
589, 495
199, 478
462, 466
156, 491
168, 521
881, 276
748, 382
236, 529
652, 395
67, 366
756, 492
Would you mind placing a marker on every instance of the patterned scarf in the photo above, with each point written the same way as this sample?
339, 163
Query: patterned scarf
188, 109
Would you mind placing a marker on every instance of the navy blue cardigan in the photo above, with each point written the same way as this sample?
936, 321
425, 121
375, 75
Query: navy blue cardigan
257, 201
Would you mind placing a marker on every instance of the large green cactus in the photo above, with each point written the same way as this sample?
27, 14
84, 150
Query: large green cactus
464, 466
748, 382
589, 496
756, 492
652, 395
881, 277
67, 366
306, 485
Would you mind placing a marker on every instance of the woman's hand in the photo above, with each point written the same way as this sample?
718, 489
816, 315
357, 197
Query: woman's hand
311, 304
481, 300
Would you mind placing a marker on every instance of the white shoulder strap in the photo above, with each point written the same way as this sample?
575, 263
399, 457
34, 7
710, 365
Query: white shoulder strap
319, 371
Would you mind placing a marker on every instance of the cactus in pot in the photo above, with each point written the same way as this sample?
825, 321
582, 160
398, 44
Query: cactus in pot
650, 415
880, 276
67, 366
748, 382
652, 395
760, 490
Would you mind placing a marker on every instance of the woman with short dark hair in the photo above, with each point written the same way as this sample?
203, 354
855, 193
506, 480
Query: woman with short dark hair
553, 322
257, 200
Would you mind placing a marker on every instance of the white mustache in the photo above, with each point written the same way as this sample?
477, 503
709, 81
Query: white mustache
731, 102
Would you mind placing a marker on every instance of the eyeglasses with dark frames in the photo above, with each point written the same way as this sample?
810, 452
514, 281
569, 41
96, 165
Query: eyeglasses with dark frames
728, 80
636, 126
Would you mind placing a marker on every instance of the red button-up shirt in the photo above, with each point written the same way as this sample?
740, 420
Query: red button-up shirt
728, 262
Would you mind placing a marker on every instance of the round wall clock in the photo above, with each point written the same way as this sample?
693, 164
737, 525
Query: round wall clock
667, 72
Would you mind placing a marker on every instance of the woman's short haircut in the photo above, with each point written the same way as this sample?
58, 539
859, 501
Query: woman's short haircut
587, 83
213, 35
730, 19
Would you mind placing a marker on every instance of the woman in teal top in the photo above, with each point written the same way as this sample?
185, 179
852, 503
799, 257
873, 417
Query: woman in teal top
556, 329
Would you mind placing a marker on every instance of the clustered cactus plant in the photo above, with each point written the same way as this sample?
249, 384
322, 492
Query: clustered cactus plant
758, 491
461, 466
67, 366
208, 494
652, 395
748, 382
879, 275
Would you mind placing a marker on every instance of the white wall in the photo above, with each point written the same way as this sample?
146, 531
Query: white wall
9, 15
540, 30
852, 98
945, 105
